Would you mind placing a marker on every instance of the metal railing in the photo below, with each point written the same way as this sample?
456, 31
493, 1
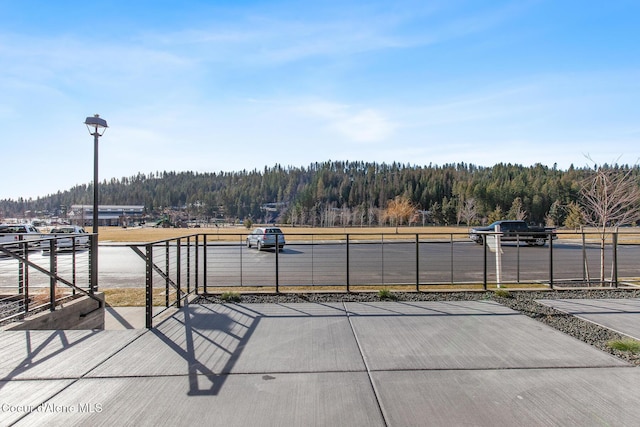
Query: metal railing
39, 274
345, 262
176, 262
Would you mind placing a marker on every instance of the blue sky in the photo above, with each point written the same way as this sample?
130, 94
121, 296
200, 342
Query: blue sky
214, 86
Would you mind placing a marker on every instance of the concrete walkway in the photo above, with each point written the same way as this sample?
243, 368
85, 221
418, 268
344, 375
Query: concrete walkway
620, 315
353, 364
120, 318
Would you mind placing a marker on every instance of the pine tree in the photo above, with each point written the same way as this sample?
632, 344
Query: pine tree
574, 218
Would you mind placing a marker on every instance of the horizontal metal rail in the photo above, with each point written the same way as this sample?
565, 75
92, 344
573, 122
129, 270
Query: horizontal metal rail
347, 262
167, 263
41, 273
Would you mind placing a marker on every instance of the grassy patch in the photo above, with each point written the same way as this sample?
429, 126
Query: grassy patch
387, 294
231, 297
626, 344
503, 293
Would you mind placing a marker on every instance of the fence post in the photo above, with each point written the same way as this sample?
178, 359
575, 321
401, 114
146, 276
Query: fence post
518, 258
21, 271
382, 251
204, 261
313, 244
149, 287
25, 268
166, 272
451, 256
277, 266
189, 264
73, 263
550, 260
93, 264
614, 273
417, 262
348, 272
178, 273
24, 281
584, 258
53, 264
197, 282
484, 245
241, 250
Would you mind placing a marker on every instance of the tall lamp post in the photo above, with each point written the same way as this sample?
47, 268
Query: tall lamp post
96, 127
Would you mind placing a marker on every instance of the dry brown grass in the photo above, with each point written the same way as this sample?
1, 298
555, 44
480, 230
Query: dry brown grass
626, 235
133, 297
237, 233
143, 235
41, 296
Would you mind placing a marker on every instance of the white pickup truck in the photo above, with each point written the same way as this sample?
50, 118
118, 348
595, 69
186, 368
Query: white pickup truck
14, 233
79, 240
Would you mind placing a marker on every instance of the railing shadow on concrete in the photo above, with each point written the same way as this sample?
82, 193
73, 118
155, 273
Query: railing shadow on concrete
212, 330
41, 348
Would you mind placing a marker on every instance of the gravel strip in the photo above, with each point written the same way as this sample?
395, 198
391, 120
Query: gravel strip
522, 301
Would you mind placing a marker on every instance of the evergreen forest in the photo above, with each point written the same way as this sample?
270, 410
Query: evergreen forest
336, 193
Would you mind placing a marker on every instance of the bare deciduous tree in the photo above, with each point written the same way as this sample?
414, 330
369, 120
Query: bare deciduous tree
400, 210
345, 216
610, 197
373, 215
468, 212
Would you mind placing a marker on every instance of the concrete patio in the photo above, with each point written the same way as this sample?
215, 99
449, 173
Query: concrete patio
357, 364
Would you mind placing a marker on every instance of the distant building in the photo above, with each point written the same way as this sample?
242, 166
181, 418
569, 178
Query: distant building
108, 215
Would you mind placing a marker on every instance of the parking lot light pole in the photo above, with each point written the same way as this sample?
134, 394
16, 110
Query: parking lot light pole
96, 127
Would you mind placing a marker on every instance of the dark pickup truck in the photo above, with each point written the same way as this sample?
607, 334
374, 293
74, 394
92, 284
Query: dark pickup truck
515, 231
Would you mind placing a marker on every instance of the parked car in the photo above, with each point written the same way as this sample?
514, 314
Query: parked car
80, 239
265, 237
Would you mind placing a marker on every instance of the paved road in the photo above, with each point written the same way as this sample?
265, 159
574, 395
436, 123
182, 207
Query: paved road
388, 263
326, 264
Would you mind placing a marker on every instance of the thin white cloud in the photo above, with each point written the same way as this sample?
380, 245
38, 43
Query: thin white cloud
365, 126
69, 63
355, 123
264, 38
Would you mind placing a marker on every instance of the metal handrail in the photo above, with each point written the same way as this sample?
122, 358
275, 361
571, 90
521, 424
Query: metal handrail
173, 259
26, 267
